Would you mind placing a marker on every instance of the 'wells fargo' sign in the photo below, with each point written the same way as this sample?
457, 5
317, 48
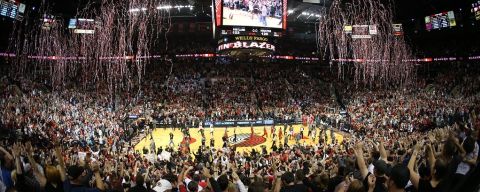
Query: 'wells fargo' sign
250, 38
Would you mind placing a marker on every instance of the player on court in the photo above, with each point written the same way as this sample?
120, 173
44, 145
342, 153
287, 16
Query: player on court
290, 134
203, 142
234, 135
301, 131
272, 130
200, 129
280, 133
314, 134
265, 133
211, 129
274, 134
225, 138
251, 131
171, 140
212, 142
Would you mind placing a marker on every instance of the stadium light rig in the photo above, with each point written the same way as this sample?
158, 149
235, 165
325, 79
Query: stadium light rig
134, 10
308, 14
88, 20
162, 7
176, 7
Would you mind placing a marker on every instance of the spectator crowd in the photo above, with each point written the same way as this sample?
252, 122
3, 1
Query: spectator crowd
422, 138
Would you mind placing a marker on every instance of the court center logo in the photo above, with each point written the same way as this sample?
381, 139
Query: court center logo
244, 140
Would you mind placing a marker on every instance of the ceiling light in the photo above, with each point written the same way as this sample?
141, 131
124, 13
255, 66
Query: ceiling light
164, 7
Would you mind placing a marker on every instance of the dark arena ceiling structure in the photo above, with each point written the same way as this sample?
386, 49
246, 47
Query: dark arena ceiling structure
139, 23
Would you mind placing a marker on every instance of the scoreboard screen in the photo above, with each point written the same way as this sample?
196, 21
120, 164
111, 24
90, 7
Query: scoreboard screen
21, 8
440, 20
397, 29
72, 23
476, 10
360, 31
82, 25
48, 21
8, 9
250, 31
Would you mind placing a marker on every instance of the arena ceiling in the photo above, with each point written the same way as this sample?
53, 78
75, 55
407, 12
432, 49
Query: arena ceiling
300, 11
307, 12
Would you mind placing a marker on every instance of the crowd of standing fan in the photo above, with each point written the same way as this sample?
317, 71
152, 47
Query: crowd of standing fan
422, 139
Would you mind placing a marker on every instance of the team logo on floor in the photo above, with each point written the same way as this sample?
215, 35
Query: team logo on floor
240, 138
244, 140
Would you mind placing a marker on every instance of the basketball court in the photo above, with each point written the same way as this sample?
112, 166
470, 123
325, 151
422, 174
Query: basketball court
161, 137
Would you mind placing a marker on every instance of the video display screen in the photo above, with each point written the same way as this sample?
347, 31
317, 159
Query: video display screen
361, 32
82, 25
48, 21
255, 13
397, 29
72, 23
8, 9
440, 20
476, 10
21, 8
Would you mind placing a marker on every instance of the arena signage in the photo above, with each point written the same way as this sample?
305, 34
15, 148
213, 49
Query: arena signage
239, 123
246, 45
222, 123
250, 38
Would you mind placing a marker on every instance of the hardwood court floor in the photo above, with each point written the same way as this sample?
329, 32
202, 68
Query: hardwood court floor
161, 137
